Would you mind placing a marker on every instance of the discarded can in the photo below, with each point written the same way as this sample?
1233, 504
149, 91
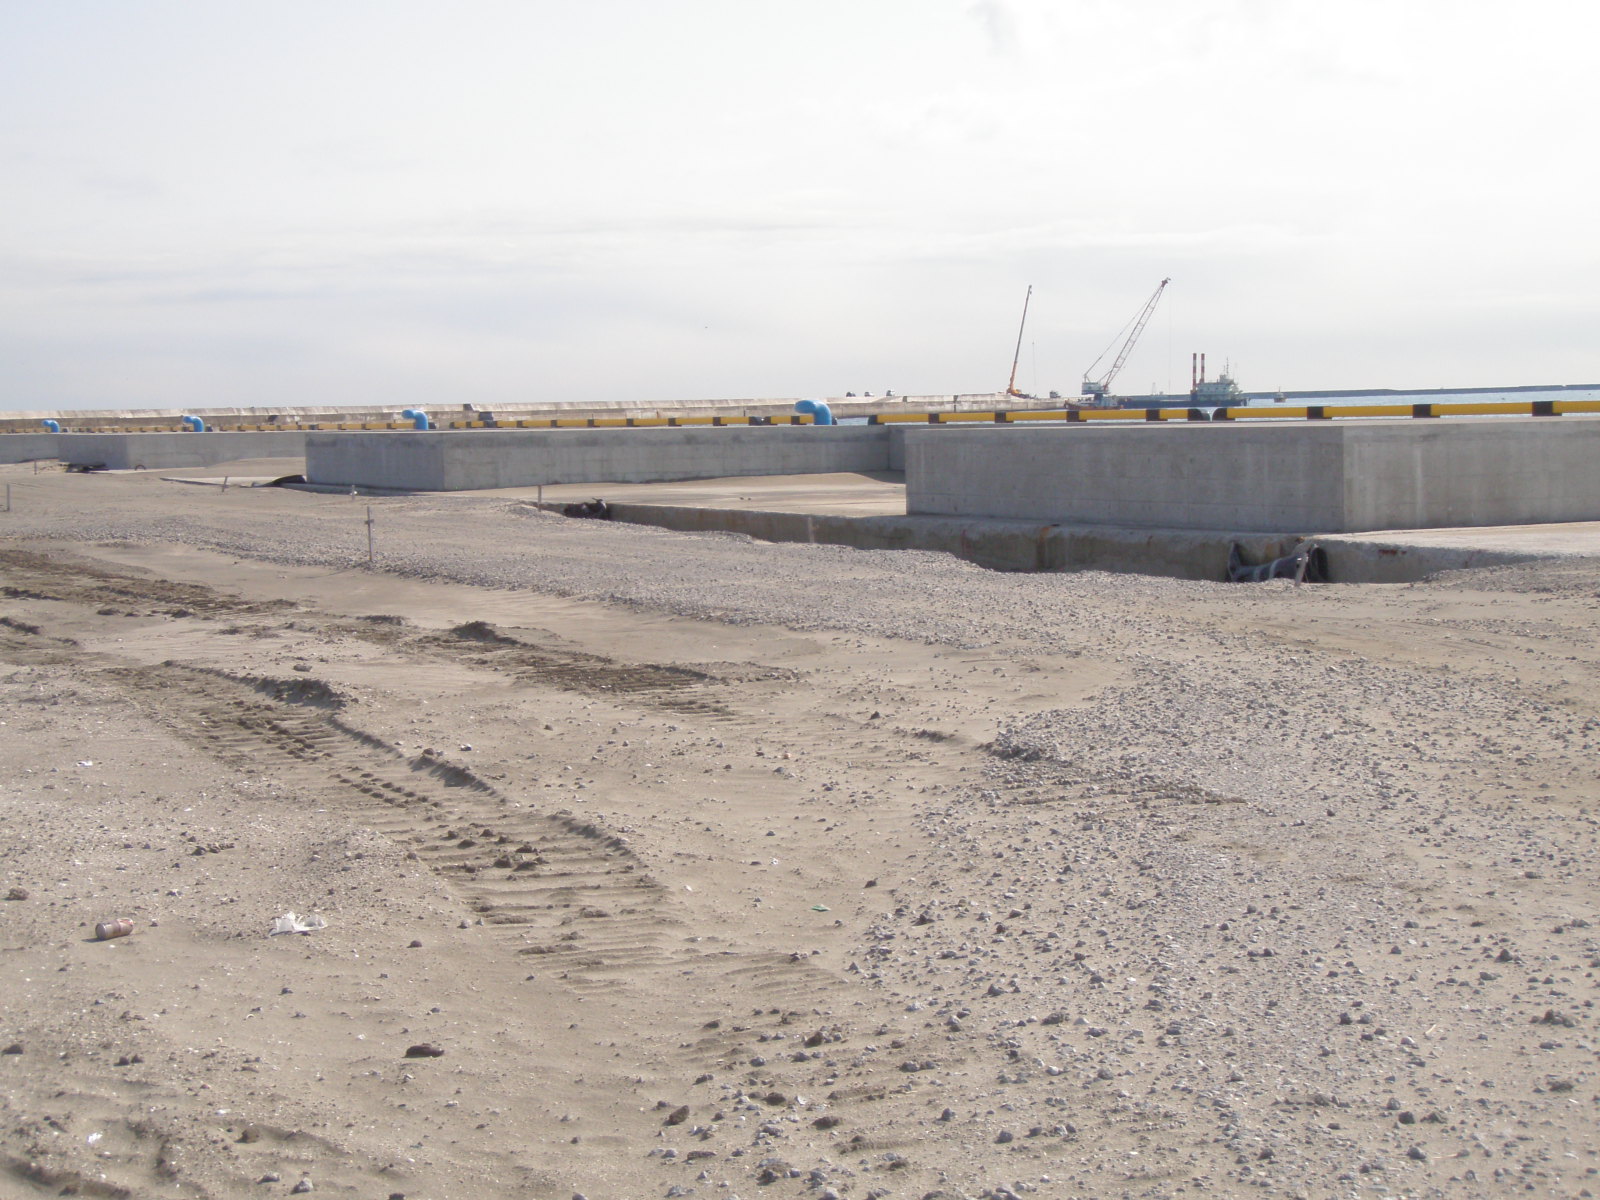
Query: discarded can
107, 930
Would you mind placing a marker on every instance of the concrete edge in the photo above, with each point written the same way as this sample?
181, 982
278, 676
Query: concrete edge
1353, 559
1031, 546
1002, 545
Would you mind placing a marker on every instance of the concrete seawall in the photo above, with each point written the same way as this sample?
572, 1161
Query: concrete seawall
132, 451
116, 420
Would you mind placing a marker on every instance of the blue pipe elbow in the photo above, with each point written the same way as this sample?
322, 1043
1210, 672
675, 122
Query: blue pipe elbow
194, 424
53, 426
417, 417
820, 413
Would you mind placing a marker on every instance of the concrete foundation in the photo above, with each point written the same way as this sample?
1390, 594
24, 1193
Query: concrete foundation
1030, 546
469, 460
152, 451
998, 545
1299, 478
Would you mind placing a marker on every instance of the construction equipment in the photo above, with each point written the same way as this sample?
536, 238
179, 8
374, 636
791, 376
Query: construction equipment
1011, 388
1099, 388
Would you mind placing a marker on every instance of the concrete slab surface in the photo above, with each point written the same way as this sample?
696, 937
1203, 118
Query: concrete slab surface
233, 471
1578, 539
848, 493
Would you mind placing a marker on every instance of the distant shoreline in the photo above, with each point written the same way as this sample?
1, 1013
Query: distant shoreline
1361, 393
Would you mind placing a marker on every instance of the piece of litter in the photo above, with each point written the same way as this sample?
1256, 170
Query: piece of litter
819, 908
289, 923
85, 763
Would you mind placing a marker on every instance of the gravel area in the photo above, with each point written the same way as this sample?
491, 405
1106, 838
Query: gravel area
1140, 887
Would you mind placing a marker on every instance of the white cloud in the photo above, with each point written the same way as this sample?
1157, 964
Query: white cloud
998, 23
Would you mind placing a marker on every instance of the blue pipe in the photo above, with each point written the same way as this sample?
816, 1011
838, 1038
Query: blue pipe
53, 426
194, 424
820, 412
417, 417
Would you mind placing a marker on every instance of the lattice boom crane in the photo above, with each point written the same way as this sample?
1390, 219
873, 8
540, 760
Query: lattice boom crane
1101, 386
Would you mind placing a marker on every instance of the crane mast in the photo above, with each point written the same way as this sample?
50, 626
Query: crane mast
1011, 388
1099, 388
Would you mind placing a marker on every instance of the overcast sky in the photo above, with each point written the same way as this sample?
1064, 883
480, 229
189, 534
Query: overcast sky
400, 202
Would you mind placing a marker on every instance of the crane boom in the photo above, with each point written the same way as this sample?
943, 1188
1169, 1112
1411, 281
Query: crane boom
1102, 385
1011, 388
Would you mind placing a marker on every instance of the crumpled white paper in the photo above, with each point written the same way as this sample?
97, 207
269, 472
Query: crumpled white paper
289, 923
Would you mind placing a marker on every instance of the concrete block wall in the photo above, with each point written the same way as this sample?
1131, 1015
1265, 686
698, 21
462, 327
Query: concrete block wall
1291, 478
153, 451
501, 458
1437, 474
1174, 477
27, 447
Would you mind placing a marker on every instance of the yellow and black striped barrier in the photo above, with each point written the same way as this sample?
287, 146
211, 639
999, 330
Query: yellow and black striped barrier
1309, 412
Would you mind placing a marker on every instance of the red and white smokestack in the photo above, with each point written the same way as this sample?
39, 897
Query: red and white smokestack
1194, 368
1202, 366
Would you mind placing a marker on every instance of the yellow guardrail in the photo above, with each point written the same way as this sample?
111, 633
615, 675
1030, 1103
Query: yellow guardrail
1313, 412
1502, 408
1351, 410
1037, 415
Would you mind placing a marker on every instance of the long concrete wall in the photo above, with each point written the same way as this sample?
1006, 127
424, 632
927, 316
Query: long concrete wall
112, 420
27, 447
456, 461
135, 451
1285, 478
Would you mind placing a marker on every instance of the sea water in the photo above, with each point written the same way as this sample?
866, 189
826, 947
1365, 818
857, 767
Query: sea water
1512, 396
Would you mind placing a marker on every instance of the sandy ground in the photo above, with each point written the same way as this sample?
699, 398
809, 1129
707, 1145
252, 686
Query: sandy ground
724, 869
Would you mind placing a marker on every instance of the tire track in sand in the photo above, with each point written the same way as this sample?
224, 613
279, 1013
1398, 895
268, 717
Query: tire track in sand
555, 888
